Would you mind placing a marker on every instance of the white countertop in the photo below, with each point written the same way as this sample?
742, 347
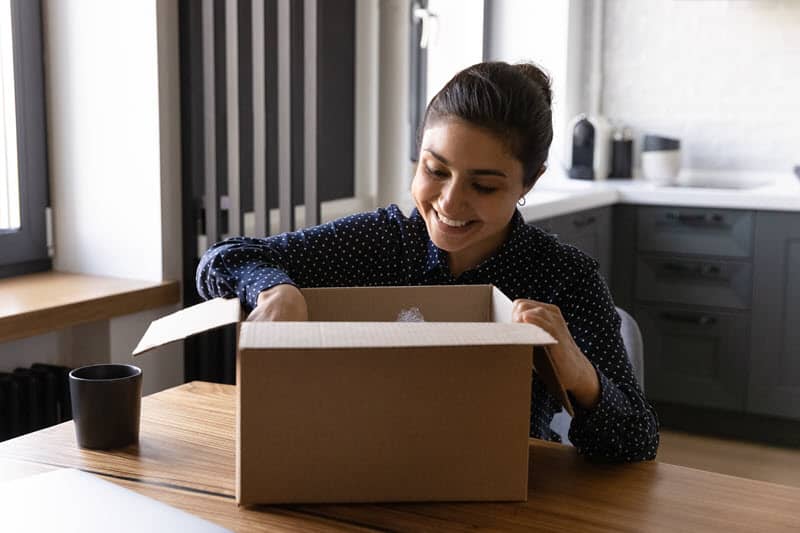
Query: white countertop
555, 194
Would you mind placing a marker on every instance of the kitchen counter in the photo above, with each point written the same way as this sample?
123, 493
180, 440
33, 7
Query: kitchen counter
555, 194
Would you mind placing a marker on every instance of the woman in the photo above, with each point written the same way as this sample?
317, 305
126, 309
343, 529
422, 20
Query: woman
483, 144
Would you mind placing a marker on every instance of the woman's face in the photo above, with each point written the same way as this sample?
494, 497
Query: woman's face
466, 187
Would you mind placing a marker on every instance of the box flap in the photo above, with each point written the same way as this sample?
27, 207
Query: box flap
501, 306
326, 335
190, 321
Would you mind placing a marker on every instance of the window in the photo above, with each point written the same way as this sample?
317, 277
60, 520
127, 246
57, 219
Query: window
9, 184
23, 153
446, 37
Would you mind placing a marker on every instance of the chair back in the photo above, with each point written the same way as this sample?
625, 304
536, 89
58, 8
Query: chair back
634, 346
632, 339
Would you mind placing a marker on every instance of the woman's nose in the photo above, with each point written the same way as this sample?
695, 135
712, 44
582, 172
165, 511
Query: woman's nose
452, 197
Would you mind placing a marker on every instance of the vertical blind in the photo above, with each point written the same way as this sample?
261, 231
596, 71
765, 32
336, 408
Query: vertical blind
268, 113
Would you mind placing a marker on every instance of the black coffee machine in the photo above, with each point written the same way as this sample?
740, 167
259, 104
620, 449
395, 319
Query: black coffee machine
591, 152
582, 152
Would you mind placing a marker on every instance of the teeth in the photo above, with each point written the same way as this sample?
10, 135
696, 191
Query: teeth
451, 222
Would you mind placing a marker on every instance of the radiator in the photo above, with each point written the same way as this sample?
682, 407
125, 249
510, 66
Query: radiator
33, 398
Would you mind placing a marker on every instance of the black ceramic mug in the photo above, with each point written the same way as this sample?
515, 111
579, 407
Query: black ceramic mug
106, 402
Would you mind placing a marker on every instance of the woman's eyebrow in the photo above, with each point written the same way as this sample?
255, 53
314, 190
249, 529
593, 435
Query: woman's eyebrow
484, 171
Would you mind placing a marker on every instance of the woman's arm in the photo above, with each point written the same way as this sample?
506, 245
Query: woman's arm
613, 421
361, 249
575, 371
281, 303
623, 426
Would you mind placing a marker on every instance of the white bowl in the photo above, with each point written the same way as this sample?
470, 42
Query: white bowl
661, 167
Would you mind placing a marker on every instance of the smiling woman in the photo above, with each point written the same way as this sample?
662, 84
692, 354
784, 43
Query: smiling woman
483, 145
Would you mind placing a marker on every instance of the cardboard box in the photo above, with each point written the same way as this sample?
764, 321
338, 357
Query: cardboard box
354, 406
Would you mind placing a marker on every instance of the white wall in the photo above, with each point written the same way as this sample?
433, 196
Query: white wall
394, 167
102, 80
366, 99
112, 85
724, 76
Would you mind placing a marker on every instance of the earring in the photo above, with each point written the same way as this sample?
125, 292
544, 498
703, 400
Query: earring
521, 201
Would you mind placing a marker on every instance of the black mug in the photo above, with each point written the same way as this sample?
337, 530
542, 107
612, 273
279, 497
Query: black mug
106, 404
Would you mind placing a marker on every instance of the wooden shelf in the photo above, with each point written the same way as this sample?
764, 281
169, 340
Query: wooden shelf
39, 303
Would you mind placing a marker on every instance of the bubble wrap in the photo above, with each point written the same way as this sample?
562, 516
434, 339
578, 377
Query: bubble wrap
412, 314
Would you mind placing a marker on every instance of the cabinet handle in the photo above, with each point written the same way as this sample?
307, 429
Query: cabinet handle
584, 221
702, 320
702, 270
690, 219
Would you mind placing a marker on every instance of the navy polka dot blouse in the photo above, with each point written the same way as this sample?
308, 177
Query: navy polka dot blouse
384, 247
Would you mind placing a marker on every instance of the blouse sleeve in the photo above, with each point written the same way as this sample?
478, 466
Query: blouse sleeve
361, 249
623, 427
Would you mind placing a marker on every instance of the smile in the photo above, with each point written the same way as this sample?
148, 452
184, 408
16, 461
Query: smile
453, 223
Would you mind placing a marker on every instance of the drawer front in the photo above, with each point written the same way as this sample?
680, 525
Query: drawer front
694, 358
695, 231
590, 232
708, 282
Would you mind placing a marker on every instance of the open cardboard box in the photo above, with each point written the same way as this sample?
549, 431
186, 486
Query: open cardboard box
354, 406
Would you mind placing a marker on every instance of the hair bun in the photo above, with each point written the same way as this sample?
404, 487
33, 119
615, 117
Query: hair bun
539, 77
513, 102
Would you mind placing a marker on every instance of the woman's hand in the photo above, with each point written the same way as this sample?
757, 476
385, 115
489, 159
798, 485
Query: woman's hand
573, 368
281, 303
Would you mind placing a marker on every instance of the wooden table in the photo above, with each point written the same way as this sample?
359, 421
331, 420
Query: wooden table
186, 458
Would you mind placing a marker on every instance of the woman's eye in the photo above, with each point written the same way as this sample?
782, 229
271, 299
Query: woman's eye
436, 172
483, 189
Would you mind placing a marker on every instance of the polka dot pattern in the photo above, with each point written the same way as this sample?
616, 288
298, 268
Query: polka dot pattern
385, 248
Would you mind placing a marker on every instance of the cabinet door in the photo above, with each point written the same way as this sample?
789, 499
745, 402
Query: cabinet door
774, 386
694, 357
624, 252
590, 232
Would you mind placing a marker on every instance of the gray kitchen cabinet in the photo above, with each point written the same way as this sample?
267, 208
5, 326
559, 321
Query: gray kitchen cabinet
624, 252
716, 293
694, 357
589, 231
685, 274
774, 384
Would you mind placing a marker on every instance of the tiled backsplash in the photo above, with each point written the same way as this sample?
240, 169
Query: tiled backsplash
722, 75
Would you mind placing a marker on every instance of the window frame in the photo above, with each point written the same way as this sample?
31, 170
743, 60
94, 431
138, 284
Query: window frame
417, 78
25, 250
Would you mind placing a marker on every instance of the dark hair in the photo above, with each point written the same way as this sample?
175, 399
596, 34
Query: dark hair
510, 101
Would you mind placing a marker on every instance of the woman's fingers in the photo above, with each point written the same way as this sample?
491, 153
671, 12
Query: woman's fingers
526, 310
538, 317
